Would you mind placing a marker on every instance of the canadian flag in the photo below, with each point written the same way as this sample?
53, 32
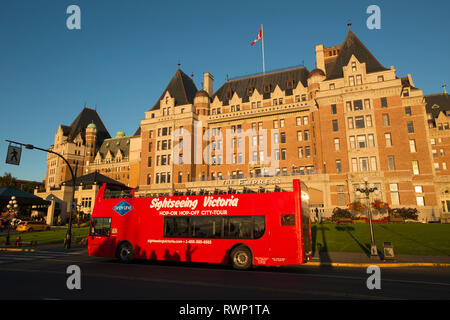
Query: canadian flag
260, 34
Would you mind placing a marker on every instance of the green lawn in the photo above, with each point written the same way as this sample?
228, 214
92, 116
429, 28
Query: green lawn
52, 236
414, 238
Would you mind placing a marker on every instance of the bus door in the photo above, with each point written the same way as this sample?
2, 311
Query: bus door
283, 238
101, 238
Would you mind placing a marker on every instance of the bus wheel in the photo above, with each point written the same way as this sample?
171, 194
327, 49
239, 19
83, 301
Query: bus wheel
241, 258
125, 252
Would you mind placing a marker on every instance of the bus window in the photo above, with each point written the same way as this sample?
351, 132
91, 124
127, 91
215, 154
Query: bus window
288, 220
259, 226
206, 227
176, 227
100, 227
243, 227
239, 228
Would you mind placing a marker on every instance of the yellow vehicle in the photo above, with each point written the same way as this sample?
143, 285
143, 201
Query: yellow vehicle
32, 226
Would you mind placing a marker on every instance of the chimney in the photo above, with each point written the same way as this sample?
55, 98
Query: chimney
320, 58
208, 80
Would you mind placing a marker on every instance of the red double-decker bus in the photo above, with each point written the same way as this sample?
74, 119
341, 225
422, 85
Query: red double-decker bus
243, 229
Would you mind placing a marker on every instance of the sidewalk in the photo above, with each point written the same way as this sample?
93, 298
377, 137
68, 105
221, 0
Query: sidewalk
57, 247
356, 259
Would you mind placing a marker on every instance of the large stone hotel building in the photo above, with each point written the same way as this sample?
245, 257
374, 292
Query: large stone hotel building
349, 118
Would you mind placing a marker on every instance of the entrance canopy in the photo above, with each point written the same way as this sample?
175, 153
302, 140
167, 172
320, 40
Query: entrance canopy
23, 198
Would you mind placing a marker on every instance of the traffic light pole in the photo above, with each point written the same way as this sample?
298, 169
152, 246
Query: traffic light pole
68, 239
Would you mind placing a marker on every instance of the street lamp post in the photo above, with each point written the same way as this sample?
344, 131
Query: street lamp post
367, 189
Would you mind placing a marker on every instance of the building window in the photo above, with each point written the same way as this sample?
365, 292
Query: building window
275, 124
352, 142
341, 195
415, 167
384, 102
420, 201
307, 152
369, 121
364, 164
338, 166
361, 141
393, 188
276, 139
386, 121
357, 105
299, 121
436, 166
336, 144
300, 152
391, 163
371, 140
358, 79
349, 106
350, 123
331, 86
353, 66
306, 133
367, 104
388, 139
281, 123
412, 145
352, 81
299, 136
354, 165
410, 127
380, 78
335, 125
359, 122
305, 121
283, 154
408, 111
283, 137
373, 163
333, 109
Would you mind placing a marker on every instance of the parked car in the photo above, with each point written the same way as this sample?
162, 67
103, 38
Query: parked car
32, 226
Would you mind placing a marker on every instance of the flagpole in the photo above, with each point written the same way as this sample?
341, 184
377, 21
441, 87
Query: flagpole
264, 67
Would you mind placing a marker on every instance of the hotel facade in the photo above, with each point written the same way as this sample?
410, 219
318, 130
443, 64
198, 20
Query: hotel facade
349, 118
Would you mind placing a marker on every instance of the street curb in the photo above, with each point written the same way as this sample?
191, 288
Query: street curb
17, 250
381, 265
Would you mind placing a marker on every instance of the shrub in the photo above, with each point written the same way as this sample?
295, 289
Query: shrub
339, 213
405, 213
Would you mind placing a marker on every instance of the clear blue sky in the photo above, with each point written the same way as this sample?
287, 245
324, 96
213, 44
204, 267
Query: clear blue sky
127, 51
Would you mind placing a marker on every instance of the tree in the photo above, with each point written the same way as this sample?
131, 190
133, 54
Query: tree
7, 180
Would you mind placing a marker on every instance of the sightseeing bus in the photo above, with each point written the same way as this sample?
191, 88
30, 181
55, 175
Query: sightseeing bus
241, 229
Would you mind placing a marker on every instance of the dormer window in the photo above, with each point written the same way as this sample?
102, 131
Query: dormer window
290, 84
250, 90
267, 87
331, 86
229, 93
353, 66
